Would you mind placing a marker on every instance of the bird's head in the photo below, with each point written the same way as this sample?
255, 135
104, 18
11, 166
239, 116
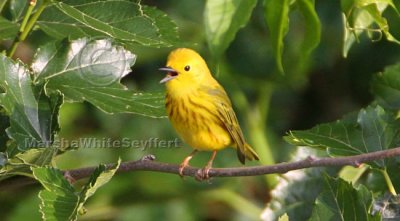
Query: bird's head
185, 68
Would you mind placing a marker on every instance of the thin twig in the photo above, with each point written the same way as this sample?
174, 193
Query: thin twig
147, 163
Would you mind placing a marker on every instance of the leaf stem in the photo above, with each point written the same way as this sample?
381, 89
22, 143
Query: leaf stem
388, 182
27, 24
28, 13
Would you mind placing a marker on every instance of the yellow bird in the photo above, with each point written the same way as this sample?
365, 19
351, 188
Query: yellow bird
200, 110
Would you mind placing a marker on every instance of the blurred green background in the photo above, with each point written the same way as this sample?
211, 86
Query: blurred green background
320, 88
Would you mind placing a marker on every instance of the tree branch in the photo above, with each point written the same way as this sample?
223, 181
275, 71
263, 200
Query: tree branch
147, 163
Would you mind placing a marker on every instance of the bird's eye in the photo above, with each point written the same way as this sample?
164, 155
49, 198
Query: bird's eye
187, 68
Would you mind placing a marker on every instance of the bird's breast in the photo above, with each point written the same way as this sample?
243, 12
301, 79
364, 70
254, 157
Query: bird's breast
196, 120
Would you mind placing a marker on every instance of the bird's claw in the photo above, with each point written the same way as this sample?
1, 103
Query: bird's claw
69, 177
181, 168
203, 174
185, 163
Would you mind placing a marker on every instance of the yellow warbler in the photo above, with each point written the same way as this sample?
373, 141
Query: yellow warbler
200, 110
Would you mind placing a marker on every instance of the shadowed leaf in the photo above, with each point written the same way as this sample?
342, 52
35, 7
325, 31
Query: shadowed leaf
125, 21
373, 129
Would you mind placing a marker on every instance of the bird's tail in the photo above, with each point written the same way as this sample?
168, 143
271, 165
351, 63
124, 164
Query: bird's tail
250, 153
246, 153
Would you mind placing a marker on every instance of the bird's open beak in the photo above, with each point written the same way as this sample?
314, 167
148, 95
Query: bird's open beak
171, 74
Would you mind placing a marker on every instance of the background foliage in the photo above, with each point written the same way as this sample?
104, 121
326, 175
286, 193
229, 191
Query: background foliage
321, 74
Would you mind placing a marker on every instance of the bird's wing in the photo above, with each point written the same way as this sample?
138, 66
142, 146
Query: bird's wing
228, 118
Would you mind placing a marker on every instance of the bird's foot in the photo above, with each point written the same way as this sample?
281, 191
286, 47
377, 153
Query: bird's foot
69, 177
202, 174
182, 167
185, 163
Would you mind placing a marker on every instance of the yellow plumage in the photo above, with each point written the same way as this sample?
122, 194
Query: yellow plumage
199, 108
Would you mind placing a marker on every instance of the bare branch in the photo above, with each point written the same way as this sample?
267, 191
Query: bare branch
147, 163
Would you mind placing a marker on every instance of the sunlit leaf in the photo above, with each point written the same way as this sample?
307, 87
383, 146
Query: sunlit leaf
373, 129
124, 21
20, 163
223, 19
99, 177
59, 199
33, 115
284, 217
277, 18
91, 70
365, 16
339, 200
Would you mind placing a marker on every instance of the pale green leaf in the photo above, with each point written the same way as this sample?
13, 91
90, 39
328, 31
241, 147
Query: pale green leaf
100, 176
365, 16
20, 163
284, 217
223, 19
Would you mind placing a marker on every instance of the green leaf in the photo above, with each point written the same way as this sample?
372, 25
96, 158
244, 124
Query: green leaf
386, 86
277, 18
59, 200
353, 174
100, 176
339, 200
8, 29
33, 115
33, 157
20, 163
365, 16
372, 130
18, 8
296, 190
223, 19
125, 21
91, 70
313, 26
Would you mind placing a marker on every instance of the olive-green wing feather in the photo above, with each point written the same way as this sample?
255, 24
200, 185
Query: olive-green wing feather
228, 118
